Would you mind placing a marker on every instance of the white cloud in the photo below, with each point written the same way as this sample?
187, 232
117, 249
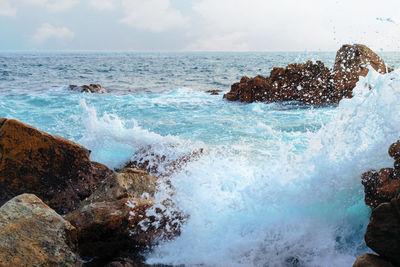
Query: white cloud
6, 9
102, 4
153, 15
47, 31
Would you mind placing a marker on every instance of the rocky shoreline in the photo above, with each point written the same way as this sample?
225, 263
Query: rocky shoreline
59, 208
105, 219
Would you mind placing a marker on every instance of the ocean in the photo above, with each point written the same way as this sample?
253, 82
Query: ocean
276, 185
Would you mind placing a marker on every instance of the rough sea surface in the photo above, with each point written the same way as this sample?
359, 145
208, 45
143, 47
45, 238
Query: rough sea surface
277, 184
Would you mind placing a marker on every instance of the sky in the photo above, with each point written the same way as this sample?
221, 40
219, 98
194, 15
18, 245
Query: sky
198, 25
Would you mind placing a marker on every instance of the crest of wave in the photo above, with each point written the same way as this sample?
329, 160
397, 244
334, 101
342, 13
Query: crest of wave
296, 210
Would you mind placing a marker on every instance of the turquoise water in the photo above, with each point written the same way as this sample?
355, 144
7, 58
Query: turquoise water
277, 184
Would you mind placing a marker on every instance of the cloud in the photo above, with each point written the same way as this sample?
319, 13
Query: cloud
52, 5
152, 15
6, 9
102, 4
47, 31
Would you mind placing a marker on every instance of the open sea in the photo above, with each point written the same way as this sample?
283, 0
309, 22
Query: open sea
277, 185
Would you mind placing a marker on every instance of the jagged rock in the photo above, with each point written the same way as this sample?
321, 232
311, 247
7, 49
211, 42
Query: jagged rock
350, 63
121, 218
91, 88
380, 186
383, 231
55, 169
129, 183
310, 83
32, 234
160, 165
370, 260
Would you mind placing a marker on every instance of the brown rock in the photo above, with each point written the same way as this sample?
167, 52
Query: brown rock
380, 186
57, 170
370, 260
32, 234
308, 83
383, 231
116, 218
350, 63
214, 92
157, 164
92, 88
394, 150
129, 183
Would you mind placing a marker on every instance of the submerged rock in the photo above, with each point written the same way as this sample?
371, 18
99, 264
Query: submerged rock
383, 231
214, 92
310, 83
91, 88
370, 260
32, 234
55, 169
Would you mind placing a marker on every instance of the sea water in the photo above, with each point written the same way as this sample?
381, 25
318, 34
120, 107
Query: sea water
276, 185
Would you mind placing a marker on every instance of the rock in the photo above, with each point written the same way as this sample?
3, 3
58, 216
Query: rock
92, 88
214, 92
383, 231
55, 169
308, 83
370, 260
121, 217
32, 234
380, 186
350, 63
129, 183
394, 150
157, 164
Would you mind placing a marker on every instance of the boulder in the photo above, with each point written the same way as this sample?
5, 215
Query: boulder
32, 234
91, 88
214, 92
55, 169
383, 231
370, 260
121, 219
351, 62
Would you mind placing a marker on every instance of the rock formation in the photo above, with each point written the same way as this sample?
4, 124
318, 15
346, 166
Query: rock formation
119, 219
382, 190
32, 234
310, 83
55, 169
91, 88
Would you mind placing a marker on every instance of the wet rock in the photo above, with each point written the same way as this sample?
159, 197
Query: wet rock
214, 92
383, 231
129, 183
55, 169
308, 83
91, 88
380, 186
32, 234
160, 165
351, 62
370, 260
121, 218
